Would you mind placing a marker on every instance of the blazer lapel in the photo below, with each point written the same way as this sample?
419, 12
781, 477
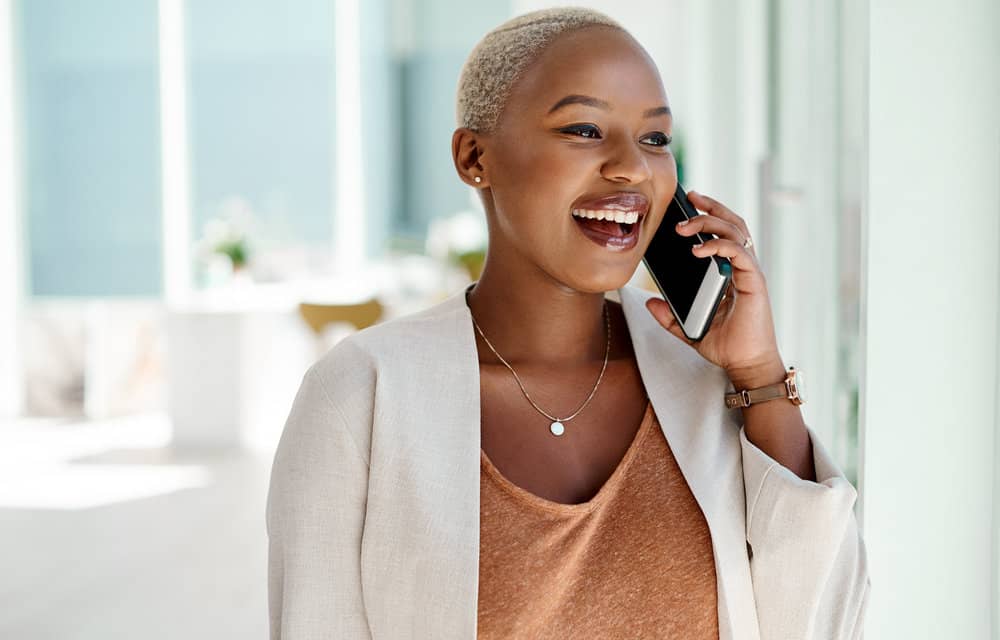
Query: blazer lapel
420, 550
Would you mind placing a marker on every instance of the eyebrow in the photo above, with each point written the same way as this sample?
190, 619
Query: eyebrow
590, 101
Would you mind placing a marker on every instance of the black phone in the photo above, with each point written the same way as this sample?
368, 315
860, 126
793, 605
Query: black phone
693, 286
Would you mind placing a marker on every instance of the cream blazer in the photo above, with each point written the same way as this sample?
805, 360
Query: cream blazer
373, 507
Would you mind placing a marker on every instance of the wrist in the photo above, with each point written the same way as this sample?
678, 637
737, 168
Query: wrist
769, 372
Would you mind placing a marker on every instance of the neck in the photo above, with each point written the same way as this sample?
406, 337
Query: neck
538, 321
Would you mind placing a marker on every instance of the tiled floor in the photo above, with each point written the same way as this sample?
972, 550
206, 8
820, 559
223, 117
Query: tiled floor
107, 533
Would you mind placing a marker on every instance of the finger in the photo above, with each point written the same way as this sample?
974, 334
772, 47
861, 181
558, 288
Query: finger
710, 224
740, 257
716, 208
661, 311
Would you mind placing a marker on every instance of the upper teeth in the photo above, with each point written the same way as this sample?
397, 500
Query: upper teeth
628, 217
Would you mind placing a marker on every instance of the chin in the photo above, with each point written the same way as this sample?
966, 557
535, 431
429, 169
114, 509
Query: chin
600, 282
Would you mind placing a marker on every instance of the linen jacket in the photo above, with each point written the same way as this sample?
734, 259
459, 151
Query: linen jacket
373, 506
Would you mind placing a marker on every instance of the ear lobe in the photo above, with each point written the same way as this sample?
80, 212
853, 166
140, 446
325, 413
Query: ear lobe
467, 154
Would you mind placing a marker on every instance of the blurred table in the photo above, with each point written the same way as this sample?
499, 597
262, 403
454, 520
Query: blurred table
237, 354
232, 375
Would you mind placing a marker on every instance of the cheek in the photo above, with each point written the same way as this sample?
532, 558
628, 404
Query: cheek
665, 182
542, 162
538, 179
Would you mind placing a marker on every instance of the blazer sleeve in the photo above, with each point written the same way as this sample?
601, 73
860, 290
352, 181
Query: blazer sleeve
807, 559
315, 516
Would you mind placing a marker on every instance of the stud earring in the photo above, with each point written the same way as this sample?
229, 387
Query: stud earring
478, 179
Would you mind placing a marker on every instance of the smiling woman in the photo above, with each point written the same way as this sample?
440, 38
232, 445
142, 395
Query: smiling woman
532, 458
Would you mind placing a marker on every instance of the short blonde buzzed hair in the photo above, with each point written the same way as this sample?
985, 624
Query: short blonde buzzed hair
498, 59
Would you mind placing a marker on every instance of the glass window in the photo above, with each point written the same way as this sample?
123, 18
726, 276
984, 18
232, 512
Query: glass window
90, 146
261, 103
434, 42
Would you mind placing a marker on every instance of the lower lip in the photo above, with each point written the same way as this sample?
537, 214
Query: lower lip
611, 242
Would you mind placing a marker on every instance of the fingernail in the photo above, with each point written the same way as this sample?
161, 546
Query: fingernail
682, 223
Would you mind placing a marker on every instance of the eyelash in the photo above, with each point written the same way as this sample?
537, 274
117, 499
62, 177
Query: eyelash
582, 128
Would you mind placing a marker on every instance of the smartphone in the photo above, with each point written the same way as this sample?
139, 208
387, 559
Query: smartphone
692, 286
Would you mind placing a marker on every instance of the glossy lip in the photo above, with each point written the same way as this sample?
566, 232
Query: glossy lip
625, 201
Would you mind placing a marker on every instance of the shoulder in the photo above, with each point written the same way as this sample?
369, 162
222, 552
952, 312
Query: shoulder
343, 385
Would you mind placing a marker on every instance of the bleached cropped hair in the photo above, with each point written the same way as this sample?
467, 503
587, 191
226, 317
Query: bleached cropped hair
498, 59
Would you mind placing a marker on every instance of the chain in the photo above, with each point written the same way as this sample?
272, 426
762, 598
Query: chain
607, 351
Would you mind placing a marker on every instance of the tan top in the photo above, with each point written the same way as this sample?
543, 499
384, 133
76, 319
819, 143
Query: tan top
635, 561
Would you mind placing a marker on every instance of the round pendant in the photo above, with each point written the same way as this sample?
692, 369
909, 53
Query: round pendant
556, 428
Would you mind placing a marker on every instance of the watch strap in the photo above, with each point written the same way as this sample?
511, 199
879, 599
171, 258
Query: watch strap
747, 397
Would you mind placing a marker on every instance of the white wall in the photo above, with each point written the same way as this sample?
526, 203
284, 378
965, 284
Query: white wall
995, 531
799, 238
929, 317
11, 285
725, 106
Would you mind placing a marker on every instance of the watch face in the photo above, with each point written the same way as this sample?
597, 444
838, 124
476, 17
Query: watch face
800, 386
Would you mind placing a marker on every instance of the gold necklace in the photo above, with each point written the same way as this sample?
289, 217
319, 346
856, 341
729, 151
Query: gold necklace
556, 427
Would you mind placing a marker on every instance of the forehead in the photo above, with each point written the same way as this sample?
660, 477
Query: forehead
597, 61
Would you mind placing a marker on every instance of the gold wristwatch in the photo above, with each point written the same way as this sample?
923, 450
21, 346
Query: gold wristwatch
792, 388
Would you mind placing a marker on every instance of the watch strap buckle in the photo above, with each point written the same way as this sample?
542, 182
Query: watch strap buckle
744, 398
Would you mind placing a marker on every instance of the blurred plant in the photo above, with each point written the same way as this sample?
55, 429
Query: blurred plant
235, 249
228, 233
460, 240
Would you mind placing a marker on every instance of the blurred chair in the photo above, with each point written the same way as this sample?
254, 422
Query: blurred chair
320, 316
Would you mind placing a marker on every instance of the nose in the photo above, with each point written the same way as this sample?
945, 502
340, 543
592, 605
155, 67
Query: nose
626, 163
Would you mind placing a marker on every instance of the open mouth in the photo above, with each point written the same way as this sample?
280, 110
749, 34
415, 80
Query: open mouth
611, 229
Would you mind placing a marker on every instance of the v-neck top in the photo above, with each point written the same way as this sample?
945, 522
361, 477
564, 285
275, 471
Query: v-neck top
635, 561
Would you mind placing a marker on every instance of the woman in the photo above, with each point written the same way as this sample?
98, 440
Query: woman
531, 459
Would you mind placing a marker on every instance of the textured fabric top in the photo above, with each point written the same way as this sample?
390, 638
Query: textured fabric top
635, 561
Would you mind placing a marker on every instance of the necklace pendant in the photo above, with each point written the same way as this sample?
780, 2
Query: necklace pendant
556, 428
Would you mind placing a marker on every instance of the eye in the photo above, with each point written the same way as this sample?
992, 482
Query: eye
662, 139
583, 130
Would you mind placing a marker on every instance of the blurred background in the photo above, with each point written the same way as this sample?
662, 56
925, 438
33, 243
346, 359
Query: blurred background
200, 197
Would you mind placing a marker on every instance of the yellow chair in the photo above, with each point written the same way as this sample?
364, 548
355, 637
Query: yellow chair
360, 315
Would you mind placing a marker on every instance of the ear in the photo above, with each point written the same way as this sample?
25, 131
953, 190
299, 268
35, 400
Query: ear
467, 151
